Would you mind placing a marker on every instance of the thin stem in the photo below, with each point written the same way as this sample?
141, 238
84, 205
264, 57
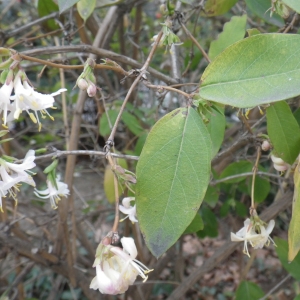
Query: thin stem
118, 69
168, 88
59, 153
195, 42
254, 170
134, 84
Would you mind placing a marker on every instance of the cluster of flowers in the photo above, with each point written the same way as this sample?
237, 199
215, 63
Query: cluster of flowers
25, 98
117, 268
13, 174
255, 233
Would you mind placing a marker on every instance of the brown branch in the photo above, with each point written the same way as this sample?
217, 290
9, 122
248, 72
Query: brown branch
226, 250
101, 53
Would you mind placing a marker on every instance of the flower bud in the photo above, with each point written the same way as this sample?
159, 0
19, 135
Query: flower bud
277, 160
82, 84
265, 146
280, 168
91, 90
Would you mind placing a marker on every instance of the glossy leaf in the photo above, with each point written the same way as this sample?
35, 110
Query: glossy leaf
172, 177
294, 228
282, 252
233, 31
65, 4
196, 225
85, 8
236, 168
253, 31
216, 128
212, 196
293, 4
260, 7
261, 69
218, 7
284, 131
248, 291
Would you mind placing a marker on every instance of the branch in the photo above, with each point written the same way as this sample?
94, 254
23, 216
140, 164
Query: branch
99, 52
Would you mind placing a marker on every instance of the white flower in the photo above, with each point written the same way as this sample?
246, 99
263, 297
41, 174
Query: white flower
5, 93
117, 268
12, 174
26, 98
128, 210
53, 193
249, 234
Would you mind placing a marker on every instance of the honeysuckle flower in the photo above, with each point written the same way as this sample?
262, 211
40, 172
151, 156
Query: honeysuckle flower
128, 210
279, 164
12, 174
5, 93
117, 268
255, 233
26, 98
51, 192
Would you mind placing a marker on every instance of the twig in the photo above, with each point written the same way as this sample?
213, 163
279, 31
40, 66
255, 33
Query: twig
158, 87
254, 170
195, 41
215, 182
272, 290
99, 52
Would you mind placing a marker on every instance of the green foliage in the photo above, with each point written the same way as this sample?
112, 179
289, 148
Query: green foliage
210, 223
266, 72
218, 7
132, 123
172, 177
196, 225
248, 291
260, 8
293, 4
294, 229
236, 168
212, 196
284, 131
65, 4
85, 8
104, 127
233, 31
216, 127
282, 252
46, 7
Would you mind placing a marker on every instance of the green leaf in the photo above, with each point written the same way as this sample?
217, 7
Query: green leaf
140, 143
196, 225
297, 297
293, 4
233, 31
46, 7
236, 168
212, 196
218, 7
104, 128
108, 182
284, 131
132, 123
260, 7
85, 8
248, 291
216, 128
282, 252
210, 223
65, 4
260, 69
241, 209
172, 177
297, 115
253, 31
294, 228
